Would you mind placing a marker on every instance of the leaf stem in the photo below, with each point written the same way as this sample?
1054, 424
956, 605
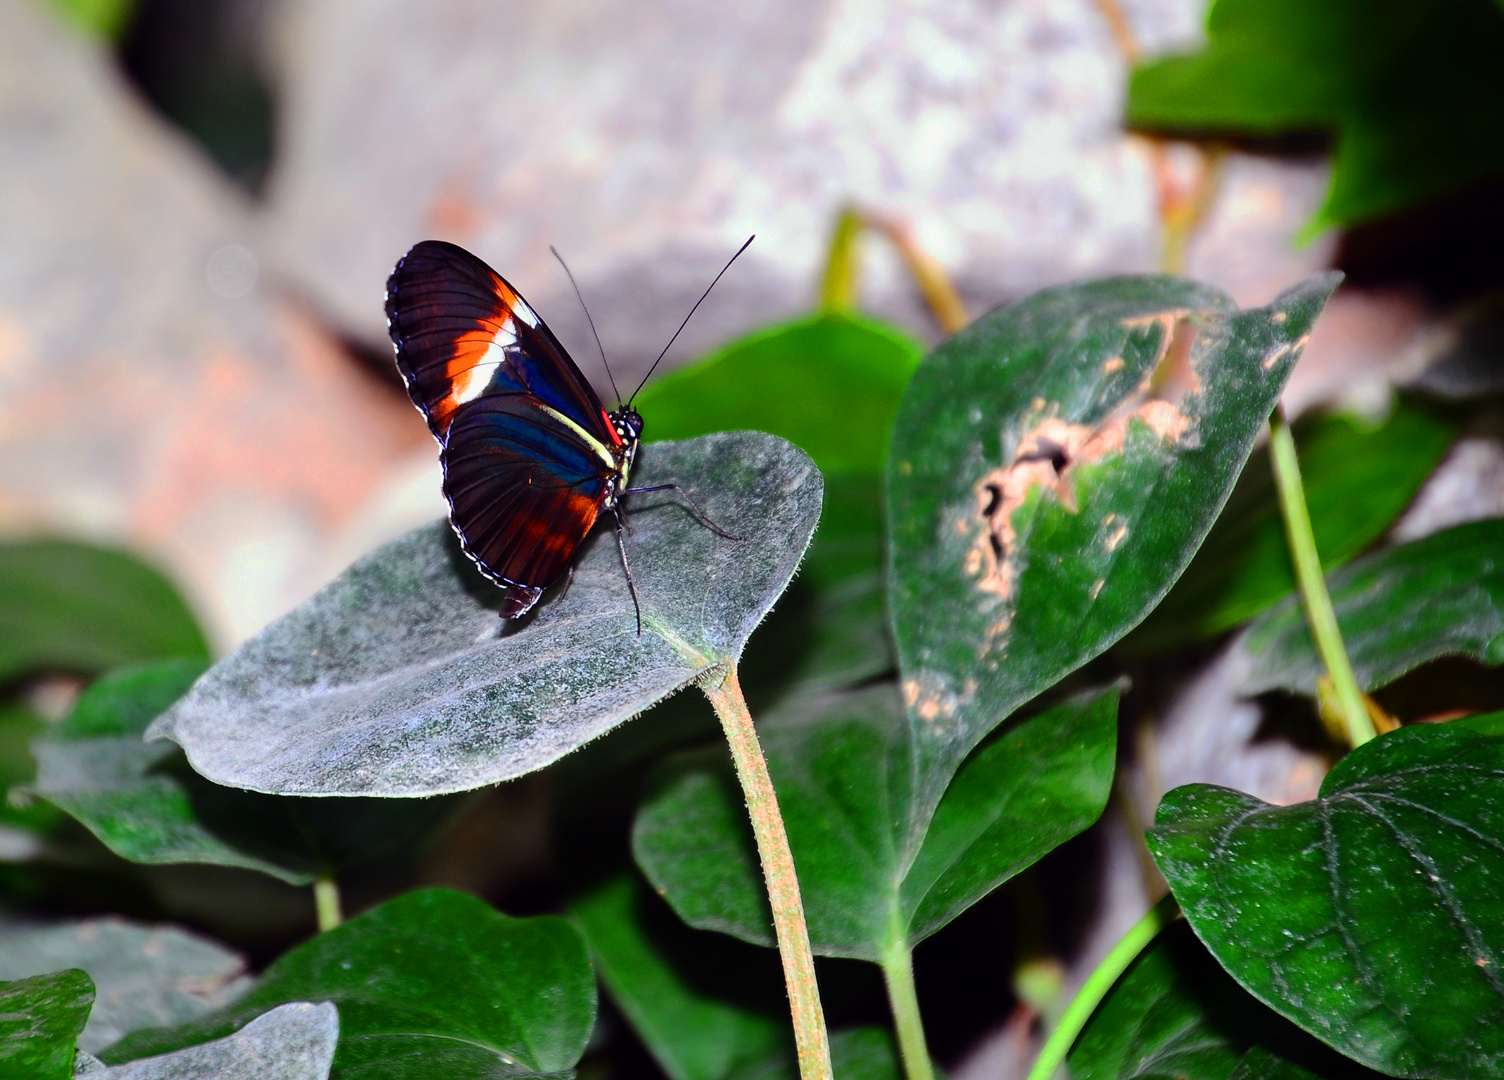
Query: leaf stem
1318, 602
326, 902
898, 971
838, 288
1079, 1011
810, 1039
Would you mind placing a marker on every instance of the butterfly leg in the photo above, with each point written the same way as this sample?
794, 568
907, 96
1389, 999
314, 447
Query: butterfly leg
621, 546
693, 509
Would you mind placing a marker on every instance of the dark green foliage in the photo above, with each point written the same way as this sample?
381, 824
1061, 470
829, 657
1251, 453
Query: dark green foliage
1370, 916
67, 606
1412, 93
1358, 477
146, 805
433, 981
1397, 609
870, 888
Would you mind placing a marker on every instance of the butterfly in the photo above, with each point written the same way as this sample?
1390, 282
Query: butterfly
530, 455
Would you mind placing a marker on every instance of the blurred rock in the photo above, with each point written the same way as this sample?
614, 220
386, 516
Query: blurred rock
158, 389
648, 140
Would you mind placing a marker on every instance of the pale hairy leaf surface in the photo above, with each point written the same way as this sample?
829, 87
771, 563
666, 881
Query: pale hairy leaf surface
399, 678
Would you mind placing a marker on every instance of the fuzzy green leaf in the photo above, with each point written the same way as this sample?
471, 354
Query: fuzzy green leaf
40, 1019
432, 983
1039, 507
1397, 609
144, 976
72, 607
144, 803
840, 770
1413, 93
291, 1042
1370, 916
399, 679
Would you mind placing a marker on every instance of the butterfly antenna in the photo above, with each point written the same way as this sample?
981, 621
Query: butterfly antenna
691, 314
580, 296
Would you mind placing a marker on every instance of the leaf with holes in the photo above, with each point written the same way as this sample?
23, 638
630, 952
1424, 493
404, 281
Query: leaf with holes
871, 889
1370, 916
434, 982
1397, 608
1054, 467
144, 803
399, 679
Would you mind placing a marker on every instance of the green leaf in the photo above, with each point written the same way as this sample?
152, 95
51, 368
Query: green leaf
840, 769
1397, 609
1358, 478
433, 983
1174, 1015
1039, 507
1413, 93
828, 384
294, 1041
144, 976
72, 607
399, 679
143, 802
40, 1019
687, 998
25, 823
1370, 916
104, 19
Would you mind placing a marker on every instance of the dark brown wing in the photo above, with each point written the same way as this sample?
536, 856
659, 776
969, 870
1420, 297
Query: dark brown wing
462, 334
523, 488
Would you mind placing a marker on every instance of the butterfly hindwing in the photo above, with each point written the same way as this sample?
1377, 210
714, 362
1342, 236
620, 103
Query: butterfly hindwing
463, 333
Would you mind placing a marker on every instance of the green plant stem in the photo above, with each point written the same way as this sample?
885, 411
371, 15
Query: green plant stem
1079, 1011
898, 971
326, 902
838, 287
1317, 601
810, 1039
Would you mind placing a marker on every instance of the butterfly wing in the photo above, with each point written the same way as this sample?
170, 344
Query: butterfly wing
528, 452
463, 333
523, 491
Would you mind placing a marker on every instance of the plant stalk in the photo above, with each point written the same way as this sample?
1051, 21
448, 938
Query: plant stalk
326, 902
811, 1042
838, 288
898, 971
1348, 697
1078, 1012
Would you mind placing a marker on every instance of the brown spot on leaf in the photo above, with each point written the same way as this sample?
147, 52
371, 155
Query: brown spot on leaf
1113, 364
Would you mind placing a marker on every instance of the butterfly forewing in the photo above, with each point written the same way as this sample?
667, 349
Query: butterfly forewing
529, 454
462, 333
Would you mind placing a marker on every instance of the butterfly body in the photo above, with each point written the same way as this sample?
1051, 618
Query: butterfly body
530, 456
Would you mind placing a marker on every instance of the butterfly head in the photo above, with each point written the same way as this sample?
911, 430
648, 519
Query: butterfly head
628, 424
